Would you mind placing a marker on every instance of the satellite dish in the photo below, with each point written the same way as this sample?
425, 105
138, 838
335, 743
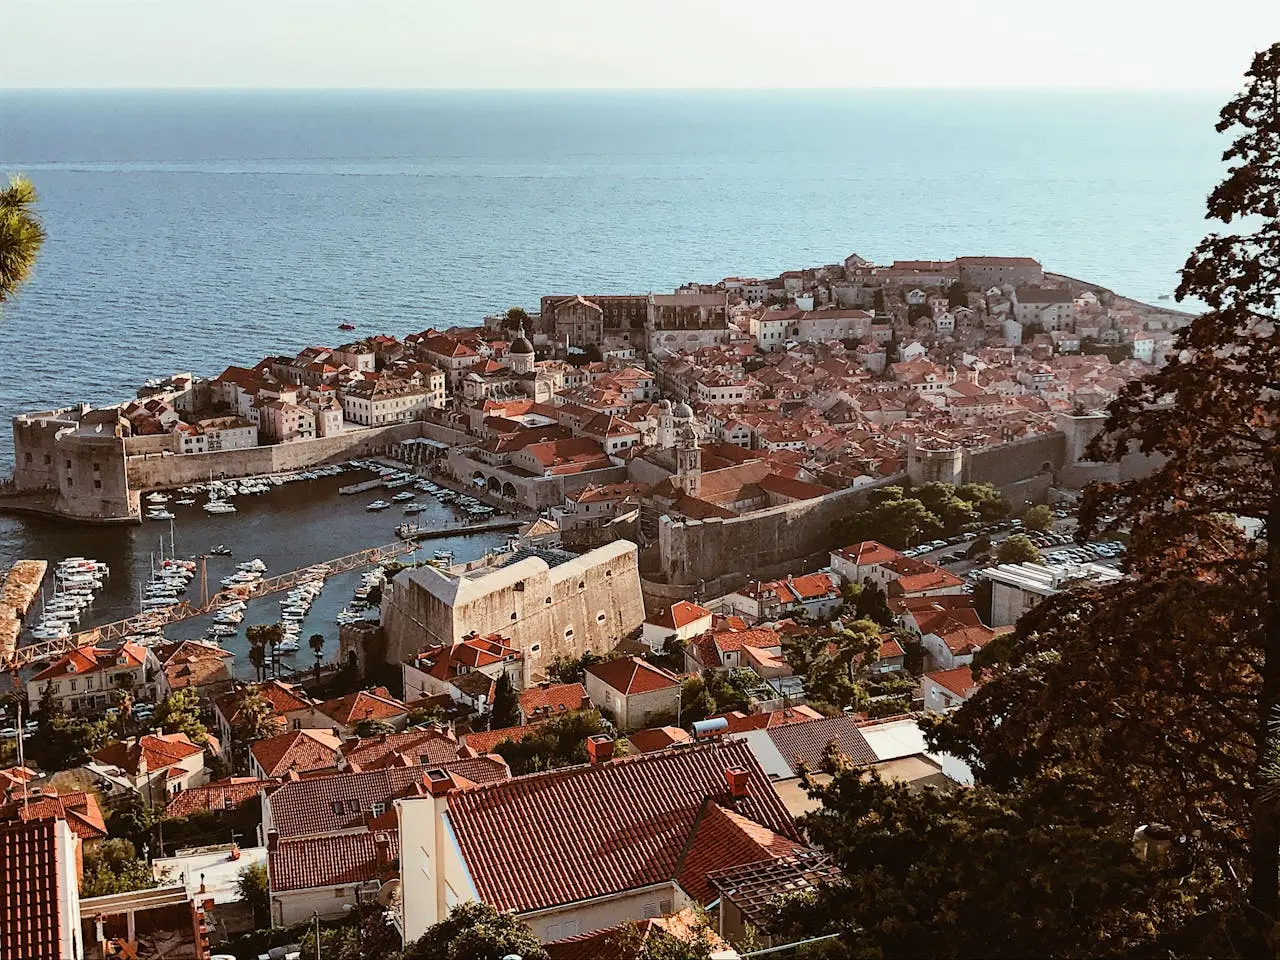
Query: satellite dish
387, 892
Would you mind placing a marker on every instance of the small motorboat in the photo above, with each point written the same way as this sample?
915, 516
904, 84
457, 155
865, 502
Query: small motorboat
346, 326
159, 514
287, 645
219, 506
221, 550
378, 505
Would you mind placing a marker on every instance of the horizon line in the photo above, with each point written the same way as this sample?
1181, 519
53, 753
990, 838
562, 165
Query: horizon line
567, 89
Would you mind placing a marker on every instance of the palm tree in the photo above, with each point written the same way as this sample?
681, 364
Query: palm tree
21, 235
317, 644
257, 657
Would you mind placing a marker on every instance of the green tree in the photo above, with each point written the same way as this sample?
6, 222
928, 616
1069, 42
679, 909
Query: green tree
1017, 549
21, 235
134, 819
111, 866
696, 701
371, 727
564, 669
877, 302
1038, 519
990, 504
316, 642
255, 890
179, 712
62, 741
263, 639
516, 317
558, 742
871, 604
255, 720
1212, 417
506, 705
957, 295
476, 931
927, 873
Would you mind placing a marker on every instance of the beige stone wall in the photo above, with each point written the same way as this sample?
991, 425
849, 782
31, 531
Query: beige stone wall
153, 471
600, 604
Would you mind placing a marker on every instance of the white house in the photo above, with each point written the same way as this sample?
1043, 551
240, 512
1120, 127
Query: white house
682, 621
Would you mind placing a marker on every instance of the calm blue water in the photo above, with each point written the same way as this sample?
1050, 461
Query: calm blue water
190, 230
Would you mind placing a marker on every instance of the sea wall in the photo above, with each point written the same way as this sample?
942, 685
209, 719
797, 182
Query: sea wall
159, 470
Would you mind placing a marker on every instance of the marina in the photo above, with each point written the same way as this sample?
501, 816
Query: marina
288, 526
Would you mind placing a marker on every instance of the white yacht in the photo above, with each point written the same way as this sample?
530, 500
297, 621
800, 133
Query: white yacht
219, 506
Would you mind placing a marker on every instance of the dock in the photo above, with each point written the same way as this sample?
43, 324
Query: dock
20, 589
362, 487
440, 533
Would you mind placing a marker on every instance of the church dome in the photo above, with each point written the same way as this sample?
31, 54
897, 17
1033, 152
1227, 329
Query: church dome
521, 345
682, 411
664, 404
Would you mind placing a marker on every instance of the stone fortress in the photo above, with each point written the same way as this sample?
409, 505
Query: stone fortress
547, 602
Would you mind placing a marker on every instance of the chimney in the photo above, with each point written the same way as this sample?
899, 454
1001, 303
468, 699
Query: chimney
737, 777
383, 847
439, 782
273, 840
599, 747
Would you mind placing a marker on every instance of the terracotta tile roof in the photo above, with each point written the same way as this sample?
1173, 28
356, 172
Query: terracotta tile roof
14, 777
959, 681
483, 741
342, 801
376, 704
657, 738
426, 747
569, 835
868, 552
299, 750
710, 648
30, 920
740, 722
680, 614
80, 810
807, 742
890, 648
631, 675
723, 838
331, 861
962, 640
158, 751
219, 795
87, 659
283, 697
552, 698
444, 662
936, 579
626, 942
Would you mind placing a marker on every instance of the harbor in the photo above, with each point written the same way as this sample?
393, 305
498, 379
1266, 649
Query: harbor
285, 526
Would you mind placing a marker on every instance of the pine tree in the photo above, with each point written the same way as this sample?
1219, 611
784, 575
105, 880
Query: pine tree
1213, 415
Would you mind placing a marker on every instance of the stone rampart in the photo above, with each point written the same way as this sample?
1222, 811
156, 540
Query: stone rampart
152, 471
1010, 463
694, 550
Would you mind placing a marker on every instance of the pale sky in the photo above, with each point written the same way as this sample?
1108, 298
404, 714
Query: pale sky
537, 44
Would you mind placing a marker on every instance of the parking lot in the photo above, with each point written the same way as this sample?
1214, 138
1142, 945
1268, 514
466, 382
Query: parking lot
1056, 546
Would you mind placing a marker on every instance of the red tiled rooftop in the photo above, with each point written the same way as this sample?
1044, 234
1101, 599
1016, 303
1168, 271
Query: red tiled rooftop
299, 750
552, 698
331, 861
631, 675
219, 795
30, 920
570, 835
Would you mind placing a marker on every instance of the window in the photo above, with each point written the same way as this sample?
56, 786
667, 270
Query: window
339, 893
664, 906
68, 464
548, 601
47, 459
600, 618
337, 807
28, 458
568, 633
97, 484
97, 467
353, 806
377, 809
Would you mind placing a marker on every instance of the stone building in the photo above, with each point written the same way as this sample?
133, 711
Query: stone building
686, 321
548, 602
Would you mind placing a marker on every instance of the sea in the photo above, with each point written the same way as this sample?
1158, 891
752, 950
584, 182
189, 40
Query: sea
192, 229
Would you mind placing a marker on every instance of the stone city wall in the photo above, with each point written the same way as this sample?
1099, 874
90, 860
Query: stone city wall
524, 488
153, 471
1010, 463
693, 550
